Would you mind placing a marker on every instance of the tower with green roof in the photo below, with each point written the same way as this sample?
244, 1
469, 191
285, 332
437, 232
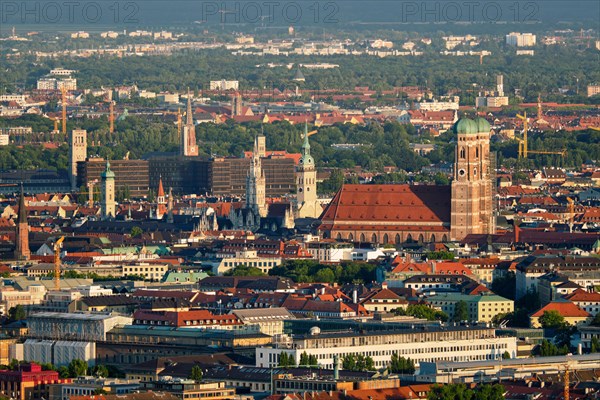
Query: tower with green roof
306, 182
471, 203
108, 204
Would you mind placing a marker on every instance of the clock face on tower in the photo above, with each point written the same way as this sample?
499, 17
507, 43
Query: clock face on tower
461, 172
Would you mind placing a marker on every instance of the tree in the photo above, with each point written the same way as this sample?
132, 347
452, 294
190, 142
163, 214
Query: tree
401, 365
459, 391
136, 231
596, 320
595, 345
287, 360
196, 373
461, 311
552, 319
422, 311
63, 372
308, 360
506, 355
546, 349
100, 371
17, 313
77, 368
358, 362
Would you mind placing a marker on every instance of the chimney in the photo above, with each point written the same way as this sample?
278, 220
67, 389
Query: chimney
517, 232
384, 285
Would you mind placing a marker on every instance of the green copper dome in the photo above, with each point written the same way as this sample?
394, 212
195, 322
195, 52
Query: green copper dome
465, 125
482, 125
107, 173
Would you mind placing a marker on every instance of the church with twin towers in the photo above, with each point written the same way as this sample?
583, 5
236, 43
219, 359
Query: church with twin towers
378, 214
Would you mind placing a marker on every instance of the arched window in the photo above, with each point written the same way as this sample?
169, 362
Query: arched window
350, 237
397, 240
374, 238
476, 152
432, 238
386, 239
444, 238
421, 238
338, 236
362, 238
409, 238
462, 152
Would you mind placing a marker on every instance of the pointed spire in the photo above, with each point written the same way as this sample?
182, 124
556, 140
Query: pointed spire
22, 218
189, 116
161, 190
306, 143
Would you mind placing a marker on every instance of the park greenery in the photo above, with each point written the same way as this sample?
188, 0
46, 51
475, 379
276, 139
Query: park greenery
378, 146
422, 311
531, 75
460, 391
312, 271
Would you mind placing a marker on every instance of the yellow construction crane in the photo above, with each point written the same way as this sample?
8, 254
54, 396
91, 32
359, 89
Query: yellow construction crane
523, 149
571, 211
90, 186
63, 92
523, 142
57, 246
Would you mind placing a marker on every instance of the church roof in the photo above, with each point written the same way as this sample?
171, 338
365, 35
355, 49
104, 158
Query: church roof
465, 125
389, 203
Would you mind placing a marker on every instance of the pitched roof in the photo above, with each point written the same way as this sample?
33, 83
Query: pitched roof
564, 308
582, 295
389, 203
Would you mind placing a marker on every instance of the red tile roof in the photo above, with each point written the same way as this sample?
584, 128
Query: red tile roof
580, 295
389, 203
564, 308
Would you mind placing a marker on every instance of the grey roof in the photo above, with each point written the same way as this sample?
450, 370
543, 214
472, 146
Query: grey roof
263, 314
561, 360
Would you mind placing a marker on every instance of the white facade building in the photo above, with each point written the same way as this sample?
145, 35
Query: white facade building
521, 39
451, 344
224, 85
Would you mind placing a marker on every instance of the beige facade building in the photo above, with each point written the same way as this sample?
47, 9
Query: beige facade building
481, 308
77, 152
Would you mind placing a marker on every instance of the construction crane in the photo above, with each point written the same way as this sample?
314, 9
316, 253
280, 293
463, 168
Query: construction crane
111, 117
56, 120
63, 91
90, 186
57, 246
523, 150
571, 211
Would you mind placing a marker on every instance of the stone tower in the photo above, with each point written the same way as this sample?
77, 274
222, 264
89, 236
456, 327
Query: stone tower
256, 184
236, 104
472, 203
77, 152
306, 182
108, 205
188, 137
22, 251
161, 202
